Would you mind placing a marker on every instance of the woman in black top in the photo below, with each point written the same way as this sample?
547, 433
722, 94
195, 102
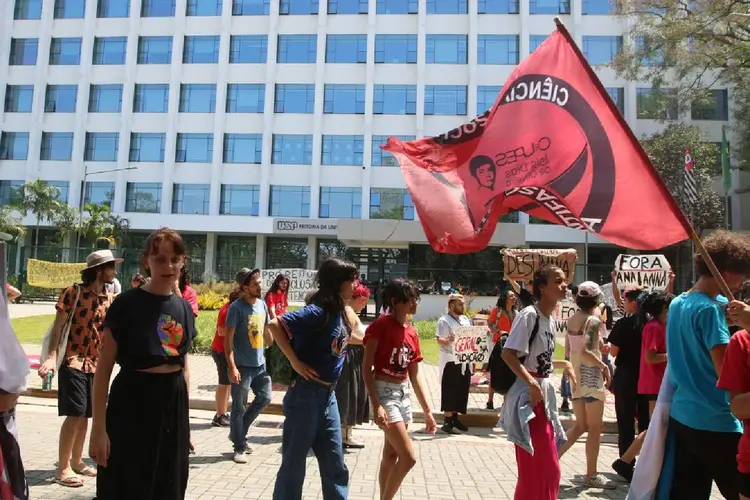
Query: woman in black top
142, 443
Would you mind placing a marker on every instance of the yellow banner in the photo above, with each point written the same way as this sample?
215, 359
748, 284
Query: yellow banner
52, 274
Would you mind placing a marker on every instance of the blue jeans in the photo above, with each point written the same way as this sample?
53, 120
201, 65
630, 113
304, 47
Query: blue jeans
243, 415
312, 421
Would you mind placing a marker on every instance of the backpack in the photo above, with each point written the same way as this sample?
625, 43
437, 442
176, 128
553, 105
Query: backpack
501, 376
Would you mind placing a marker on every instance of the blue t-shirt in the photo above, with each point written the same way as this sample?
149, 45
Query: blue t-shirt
319, 339
696, 324
248, 321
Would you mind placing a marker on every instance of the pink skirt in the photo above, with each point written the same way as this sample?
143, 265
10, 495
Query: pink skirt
538, 474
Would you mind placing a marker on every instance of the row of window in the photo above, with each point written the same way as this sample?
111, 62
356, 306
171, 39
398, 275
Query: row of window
237, 199
76, 9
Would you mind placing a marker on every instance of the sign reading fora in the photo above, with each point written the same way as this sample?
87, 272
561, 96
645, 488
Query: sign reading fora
306, 227
650, 272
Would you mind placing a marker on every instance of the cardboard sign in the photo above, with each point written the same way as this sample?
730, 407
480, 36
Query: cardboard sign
301, 281
650, 272
470, 345
520, 264
563, 312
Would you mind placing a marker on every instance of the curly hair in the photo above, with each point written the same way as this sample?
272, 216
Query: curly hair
276, 286
399, 291
502, 300
541, 277
360, 290
729, 251
185, 278
651, 304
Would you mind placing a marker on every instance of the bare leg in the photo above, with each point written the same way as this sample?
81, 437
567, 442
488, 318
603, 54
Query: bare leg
635, 448
386, 464
68, 435
77, 453
594, 415
575, 432
222, 399
399, 439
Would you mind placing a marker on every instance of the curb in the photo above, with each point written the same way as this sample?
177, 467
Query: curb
472, 419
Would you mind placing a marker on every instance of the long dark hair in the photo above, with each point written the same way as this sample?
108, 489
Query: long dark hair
277, 284
651, 304
331, 274
502, 300
184, 277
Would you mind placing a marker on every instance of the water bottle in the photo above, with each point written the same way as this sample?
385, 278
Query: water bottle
47, 382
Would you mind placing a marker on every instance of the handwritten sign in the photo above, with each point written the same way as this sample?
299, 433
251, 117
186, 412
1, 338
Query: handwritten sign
470, 345
301, 281
650, 272
520, 264
563, 312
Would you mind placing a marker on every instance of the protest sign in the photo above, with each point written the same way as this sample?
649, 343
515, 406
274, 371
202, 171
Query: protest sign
301, 281
650, 272
520, 264
470, 345
563, 311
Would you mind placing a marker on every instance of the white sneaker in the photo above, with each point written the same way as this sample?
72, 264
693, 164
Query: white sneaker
240, 457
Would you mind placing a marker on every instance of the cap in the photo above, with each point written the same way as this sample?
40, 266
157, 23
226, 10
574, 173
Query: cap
99, 258
589, 289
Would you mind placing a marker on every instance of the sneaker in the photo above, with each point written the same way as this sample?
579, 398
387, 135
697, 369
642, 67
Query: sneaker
221, 420
458, 425
623, 469
598, 481
449, 429
490, 406
240, 457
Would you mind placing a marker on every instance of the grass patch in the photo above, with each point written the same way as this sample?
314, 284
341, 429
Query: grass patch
31, 330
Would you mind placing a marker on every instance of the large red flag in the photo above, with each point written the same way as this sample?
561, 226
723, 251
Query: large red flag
553, 145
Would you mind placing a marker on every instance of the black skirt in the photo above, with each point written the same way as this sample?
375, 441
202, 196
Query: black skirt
149, 433
454, 388
354, 404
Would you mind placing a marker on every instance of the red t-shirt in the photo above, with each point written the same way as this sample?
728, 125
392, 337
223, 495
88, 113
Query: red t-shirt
277, 302
654, 338
398, 346
735, 377
218, 343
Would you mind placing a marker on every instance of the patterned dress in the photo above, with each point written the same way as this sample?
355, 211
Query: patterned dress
588, 372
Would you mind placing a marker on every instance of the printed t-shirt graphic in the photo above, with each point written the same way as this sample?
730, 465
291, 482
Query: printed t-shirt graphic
255, 325
170, 334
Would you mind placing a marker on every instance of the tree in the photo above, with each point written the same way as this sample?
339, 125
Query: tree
101, 224
42, 200
11, 223
65, 220
692, 46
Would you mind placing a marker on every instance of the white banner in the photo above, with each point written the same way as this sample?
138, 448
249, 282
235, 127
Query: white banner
301, 281
650, 272
470, 345
563, 311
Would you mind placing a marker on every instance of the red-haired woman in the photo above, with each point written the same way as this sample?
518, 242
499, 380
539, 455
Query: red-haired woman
354, 405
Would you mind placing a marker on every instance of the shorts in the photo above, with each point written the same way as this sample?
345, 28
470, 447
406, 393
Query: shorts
222, 368
587, 399
74, 389
744, 485
395, 400
649, 397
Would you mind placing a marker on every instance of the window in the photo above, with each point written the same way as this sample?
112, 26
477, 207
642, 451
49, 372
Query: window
343, 150
298, 7
347, 6
233, 252
295, 98
248, 49
290, 201
14, 146
101, 146
535, 41
601, 49
340, 202
105, 98
65, 52
151, 98
62, 188
714, 107
445, 100
147, 147
380, 158
198, 98
498, 7
651, 53
243, 148
57, 146
11, 192
27, 9
158, 8
239, 199
246, 97
250, 7
292, 149
23, 51
203, 49
549, 7
396, 49
194, 148
113, 8
154, 50
110, 50
486, 97
191, 199
70, 9
446, 49
618, 96
497, 49
144, 197
597, 7
395, 100
397, 6
346, 48
19, 98
286, 253
297, 49
447, 7
203, 8
656, 104
387, 203
61, 99
99, 193
342, 99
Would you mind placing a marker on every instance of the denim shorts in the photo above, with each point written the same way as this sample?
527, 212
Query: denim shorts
395, 400
587, 399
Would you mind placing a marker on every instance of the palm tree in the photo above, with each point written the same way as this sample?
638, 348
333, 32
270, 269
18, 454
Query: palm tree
101, 224
118, 228
42, 200
10, 223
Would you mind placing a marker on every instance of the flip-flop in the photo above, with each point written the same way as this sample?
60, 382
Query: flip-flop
86, 471
70, 482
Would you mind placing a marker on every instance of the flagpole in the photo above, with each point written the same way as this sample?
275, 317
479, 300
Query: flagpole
686, 224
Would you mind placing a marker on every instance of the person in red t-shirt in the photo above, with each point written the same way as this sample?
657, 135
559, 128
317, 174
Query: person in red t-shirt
276, 297
221, 419
500, 321
392, 355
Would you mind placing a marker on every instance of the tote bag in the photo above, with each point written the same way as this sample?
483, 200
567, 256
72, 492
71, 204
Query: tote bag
14, 365
62, 346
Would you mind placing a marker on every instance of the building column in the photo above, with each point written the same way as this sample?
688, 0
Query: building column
260, 251
210, 257
312, 251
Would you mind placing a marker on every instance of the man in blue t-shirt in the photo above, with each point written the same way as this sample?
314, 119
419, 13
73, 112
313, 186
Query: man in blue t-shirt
246, 336
706, 433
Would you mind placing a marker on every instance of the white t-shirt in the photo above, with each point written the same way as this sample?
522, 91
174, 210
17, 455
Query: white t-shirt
539, 354
445, 326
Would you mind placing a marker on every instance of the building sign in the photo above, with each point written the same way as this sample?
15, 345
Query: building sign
306, 227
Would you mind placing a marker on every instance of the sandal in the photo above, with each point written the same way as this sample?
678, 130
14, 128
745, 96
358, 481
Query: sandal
86, 471
70, 482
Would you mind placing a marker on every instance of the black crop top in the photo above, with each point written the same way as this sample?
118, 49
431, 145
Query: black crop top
150, 330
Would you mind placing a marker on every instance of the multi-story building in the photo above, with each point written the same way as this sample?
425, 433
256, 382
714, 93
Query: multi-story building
254, 126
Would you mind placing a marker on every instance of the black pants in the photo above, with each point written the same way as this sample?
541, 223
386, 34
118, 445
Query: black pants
702, 457
454, 388
628, 405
